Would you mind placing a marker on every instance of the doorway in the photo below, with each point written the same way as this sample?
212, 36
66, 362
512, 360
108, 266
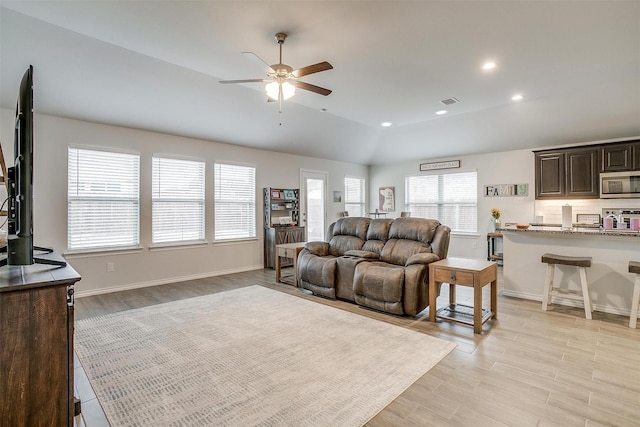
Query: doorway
313, 190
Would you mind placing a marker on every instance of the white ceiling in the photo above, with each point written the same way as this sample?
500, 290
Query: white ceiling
156, 65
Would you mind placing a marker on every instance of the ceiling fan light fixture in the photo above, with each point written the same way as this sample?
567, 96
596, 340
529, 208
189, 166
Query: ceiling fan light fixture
288, 90
273, 90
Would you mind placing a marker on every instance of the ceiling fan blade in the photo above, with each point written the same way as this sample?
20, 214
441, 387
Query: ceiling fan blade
262, 61
310, 69
224, 82
312, 88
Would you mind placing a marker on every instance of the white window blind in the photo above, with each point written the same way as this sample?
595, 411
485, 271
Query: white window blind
177, 200
235, 201
450, 198
103, 199
354, 202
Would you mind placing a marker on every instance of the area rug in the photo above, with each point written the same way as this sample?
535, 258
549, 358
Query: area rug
249, 357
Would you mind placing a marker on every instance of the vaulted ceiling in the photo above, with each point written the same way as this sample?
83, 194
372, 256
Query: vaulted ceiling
156, 66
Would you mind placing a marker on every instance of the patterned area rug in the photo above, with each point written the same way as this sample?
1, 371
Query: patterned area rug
251, 356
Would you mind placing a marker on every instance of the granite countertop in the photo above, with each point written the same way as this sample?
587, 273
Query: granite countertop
576, 230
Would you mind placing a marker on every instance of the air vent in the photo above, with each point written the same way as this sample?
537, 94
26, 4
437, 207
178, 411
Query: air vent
449, 101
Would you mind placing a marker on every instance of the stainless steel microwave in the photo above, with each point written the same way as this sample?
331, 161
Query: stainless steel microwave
620, 185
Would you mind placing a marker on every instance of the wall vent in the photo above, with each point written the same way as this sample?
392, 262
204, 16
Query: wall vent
449, 101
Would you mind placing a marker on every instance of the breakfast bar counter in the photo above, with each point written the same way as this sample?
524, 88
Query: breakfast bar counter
610, 283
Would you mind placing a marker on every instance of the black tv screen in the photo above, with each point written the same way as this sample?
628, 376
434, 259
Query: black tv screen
20, 178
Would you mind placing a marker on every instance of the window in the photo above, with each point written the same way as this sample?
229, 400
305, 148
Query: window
235, 201
177, 200
103, 200
451, 198
354, 196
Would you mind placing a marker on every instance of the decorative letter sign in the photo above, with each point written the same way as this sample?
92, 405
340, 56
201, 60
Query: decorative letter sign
506, 190
439, 165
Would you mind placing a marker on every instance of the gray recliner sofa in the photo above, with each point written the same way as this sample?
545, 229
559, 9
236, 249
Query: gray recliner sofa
382, 264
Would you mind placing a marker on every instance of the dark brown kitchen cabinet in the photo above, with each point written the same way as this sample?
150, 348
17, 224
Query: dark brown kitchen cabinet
567, 174
617, 158
550, 173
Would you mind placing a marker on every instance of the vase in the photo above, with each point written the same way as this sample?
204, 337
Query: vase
494, 223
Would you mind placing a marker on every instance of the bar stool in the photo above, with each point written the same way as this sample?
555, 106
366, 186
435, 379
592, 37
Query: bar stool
582, 263
634, 267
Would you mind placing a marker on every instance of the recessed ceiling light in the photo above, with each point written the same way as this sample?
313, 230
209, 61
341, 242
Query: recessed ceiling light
441, 112
385, 124
489, 65
517, 97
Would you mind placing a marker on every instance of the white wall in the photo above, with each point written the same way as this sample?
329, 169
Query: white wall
147, 267
507, 167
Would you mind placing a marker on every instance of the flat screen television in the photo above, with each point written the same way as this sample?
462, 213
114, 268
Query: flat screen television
20, 182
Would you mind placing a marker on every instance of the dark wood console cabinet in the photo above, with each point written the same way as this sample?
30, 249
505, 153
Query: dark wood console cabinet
36, 344
277, 236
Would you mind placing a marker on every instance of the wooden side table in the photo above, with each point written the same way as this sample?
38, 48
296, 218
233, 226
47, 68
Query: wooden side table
464, 272
288, 250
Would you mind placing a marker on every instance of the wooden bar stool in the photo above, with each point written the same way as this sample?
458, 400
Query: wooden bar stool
634, 267
582, 263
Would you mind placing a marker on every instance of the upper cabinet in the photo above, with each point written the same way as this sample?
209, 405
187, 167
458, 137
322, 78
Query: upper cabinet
550, 173
567, 174
620, 157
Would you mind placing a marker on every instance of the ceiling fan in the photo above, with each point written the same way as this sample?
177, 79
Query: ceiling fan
282, 80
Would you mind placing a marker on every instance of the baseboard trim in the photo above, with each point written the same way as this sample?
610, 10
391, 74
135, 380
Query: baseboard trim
596, 307
130, 286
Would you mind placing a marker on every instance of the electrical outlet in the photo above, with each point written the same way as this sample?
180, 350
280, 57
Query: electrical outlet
111, 267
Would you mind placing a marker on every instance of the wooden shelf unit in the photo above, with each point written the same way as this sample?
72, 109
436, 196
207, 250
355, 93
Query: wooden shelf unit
281, 204
492, 255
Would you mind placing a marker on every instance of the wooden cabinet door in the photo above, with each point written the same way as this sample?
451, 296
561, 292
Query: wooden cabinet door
582, 173
616, 158
35, 359
635, 150
550, 175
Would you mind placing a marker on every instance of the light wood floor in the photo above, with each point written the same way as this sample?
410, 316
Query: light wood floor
528, 368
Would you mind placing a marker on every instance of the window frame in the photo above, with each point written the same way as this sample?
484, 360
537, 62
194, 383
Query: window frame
363, 193
252, 201
201, 201
135, 200
444, 202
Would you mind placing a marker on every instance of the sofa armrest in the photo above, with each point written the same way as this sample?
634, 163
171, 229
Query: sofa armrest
422, 258
362, 254
317, 248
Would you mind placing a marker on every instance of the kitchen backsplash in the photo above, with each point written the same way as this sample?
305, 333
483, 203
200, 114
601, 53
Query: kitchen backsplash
551, 210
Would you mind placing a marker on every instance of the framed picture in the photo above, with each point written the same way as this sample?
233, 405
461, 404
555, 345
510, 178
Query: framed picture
386, 197
275, 194
289, 194
337, 196
588, 218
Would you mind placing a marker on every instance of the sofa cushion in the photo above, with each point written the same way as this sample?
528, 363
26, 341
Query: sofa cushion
418, 229
398, 251
352, 227
407, 237
348, 234
379, 286
368, 255
317, 274
339, 245
377, 235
